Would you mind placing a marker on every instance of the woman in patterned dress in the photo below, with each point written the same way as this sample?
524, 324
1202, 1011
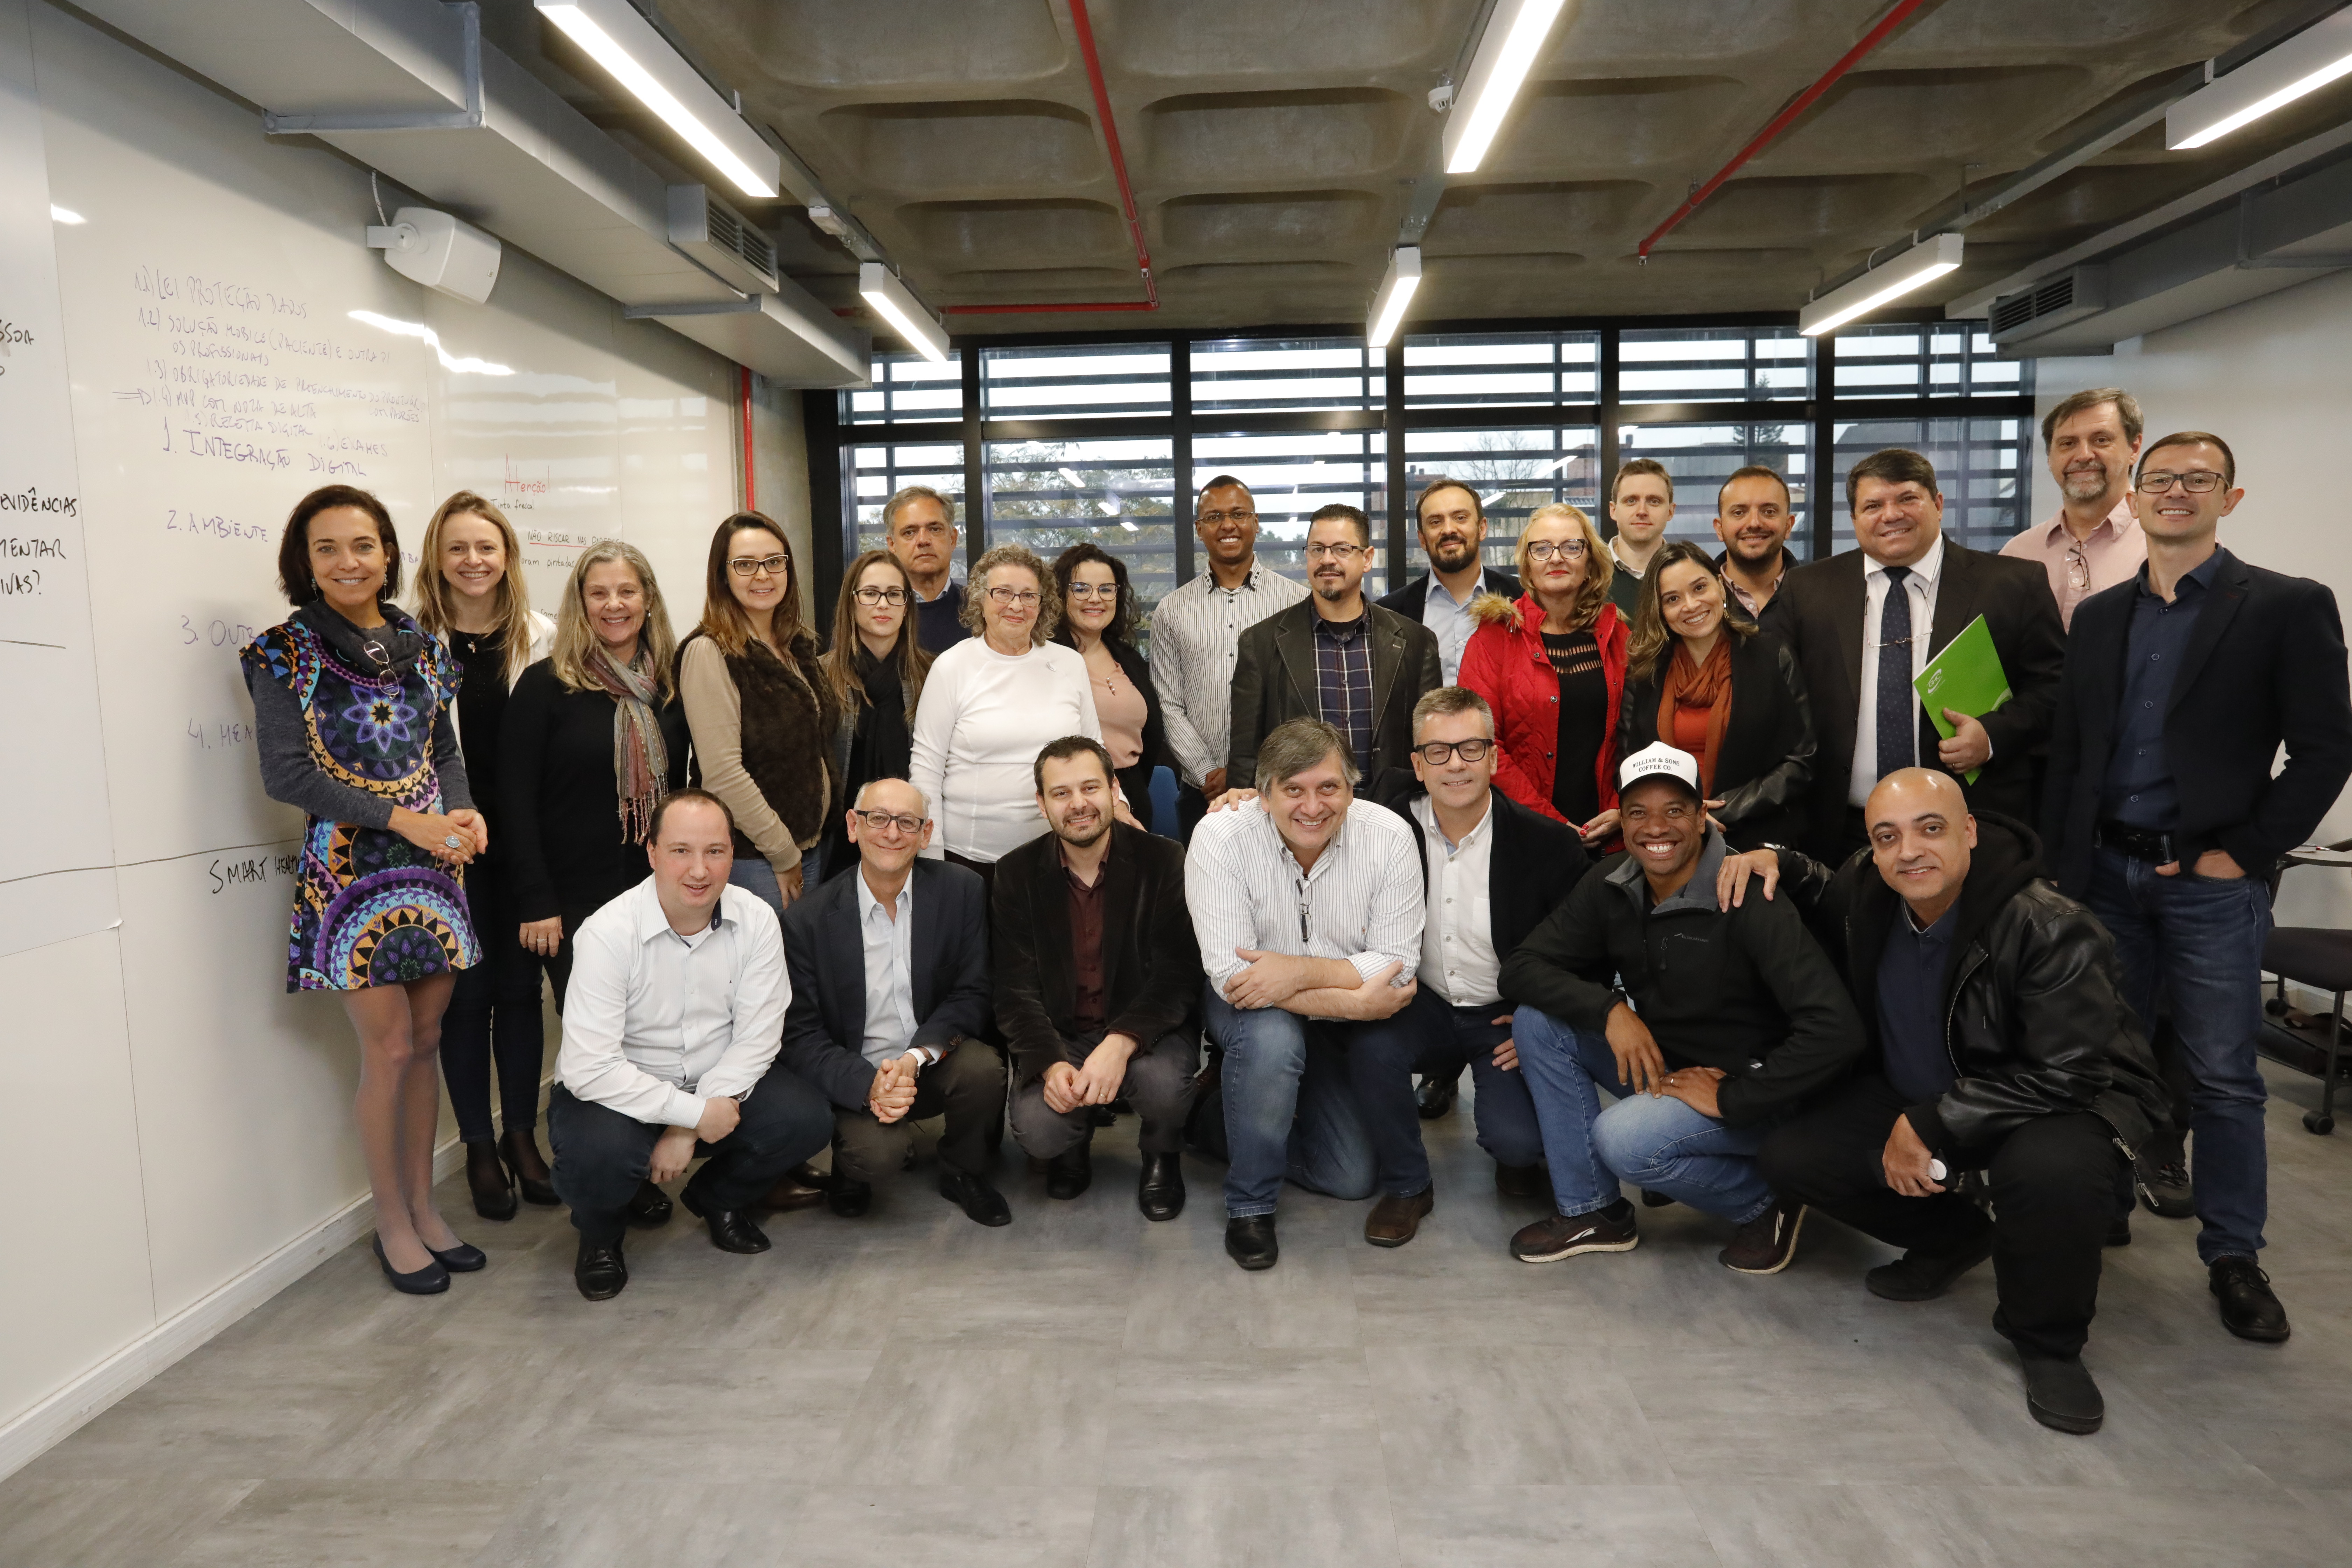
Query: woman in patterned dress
351, 710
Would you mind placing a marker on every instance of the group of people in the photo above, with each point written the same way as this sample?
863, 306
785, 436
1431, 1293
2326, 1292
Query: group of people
1662, 848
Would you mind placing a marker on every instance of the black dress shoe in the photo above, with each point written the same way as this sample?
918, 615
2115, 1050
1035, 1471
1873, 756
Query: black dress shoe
1521, 1181
983, 1203
2250, 1308
849, 1199
600, 1271
2119, 1230
538, 1190
1250, 1242
1922, 1276
429, 1280
486, 1178
2060, 1394
1070, 1173
1161, 1193
1437, 1095
1651, 1200
648, 1206
462, 1258
732, 1230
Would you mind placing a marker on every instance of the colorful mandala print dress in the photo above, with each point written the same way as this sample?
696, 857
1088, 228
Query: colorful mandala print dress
370, 908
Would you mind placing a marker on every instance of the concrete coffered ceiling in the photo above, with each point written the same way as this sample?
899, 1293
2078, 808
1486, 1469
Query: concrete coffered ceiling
1272, 144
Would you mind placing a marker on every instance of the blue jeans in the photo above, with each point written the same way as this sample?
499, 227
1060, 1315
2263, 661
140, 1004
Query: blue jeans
755, 876
2199, 942
1290, 1107
1655, 1142
1447, 1037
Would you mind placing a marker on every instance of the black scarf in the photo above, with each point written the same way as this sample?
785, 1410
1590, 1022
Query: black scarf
884, 747
388, 650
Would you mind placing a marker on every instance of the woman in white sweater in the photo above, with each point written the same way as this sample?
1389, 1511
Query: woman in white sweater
990, 705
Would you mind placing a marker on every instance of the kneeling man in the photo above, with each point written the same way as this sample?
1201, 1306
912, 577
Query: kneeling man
1722, 1022
2004, 1046
1097, 975
669, 1039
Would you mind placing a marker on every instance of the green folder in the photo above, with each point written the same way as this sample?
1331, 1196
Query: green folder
1967, 678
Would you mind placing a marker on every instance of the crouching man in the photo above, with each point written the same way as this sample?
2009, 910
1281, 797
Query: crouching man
2003, 1046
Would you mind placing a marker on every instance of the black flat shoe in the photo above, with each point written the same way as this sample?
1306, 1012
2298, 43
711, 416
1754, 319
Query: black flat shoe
486, 1179
1071, 1172
1521, 1181
649, 1205
2060, 1394
463, 1258
1920, 1276
1161, 1193
1250, 1242
429, 1280
1651, 1200
732, 1230
536, 1190
2250, 1308
600, 1271
1436, 1097
2119, 1230
983, 1203
849, 1199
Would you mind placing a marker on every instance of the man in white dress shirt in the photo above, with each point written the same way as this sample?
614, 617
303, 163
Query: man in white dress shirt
669, 1033
1308, 904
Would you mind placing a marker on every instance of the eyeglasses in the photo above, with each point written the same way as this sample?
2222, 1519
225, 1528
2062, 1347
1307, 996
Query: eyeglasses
2078, 570
753, 565
1332, 552
1094, 591
880, 820
881, 595
1436, 751
2196, 482
1008, 597
1565, 549
1214, 519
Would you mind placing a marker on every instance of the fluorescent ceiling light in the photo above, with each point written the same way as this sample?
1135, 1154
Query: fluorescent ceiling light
1915, 268
399, 328
2302, 64
1506, 51
1395, 294
65, 215
899, 307
627, 45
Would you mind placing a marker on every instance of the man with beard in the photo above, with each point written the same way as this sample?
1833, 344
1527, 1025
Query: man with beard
2095, 542
1453, 528
1338, 658
1196, 632
1097, 980
1641, 505
1752, 518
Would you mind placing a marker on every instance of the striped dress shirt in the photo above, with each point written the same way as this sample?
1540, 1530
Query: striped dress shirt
1363, 901
1196, 633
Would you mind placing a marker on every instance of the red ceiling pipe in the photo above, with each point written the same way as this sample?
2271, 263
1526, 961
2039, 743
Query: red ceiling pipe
1781, 121
1082, 24
750, 490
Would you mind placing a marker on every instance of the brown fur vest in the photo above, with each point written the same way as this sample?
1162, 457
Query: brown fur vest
789, 717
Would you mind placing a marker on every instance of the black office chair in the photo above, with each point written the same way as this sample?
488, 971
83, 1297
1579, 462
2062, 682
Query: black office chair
2321, 957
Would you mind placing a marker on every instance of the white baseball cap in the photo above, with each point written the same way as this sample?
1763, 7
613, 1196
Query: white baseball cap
1659, 760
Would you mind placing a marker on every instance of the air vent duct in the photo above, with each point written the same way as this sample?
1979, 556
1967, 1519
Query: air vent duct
721, 239
2054, 303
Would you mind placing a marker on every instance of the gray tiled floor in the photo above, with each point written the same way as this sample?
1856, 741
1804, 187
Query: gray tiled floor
1083, 1388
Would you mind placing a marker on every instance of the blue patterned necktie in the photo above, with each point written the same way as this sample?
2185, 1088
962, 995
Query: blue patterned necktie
1898, 728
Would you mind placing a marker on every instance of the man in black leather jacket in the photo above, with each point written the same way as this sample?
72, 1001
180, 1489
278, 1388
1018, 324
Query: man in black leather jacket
2000, 1043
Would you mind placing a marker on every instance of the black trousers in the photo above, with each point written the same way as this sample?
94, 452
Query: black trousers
966, 1085
494, 1017
2052, 1183
601, 1155
1159, 1084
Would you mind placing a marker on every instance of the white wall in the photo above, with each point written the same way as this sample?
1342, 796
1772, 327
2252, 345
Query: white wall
184, 1124
2273, 378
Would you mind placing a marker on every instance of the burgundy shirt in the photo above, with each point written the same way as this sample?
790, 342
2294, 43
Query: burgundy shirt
1091, 1009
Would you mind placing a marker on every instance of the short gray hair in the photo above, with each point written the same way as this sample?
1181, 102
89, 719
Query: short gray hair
1444, 700
1299, 745
913, 493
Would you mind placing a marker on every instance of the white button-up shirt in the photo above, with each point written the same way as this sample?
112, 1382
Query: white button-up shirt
1449, 618
1362, 901
890, 944
1457, 936
1196, 633
1921, 586
656, 1023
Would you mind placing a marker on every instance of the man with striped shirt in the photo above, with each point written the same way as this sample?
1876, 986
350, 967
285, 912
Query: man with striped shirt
1309, 906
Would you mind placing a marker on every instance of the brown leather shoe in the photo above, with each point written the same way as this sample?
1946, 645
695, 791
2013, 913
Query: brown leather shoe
802, 1187
1395, 1221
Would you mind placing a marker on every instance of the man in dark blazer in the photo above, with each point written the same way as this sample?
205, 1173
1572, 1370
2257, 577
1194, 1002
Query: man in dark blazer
1097, 980
1520, 864
1334, 657
1861, 643
889, 976
1453, 522
2163, 813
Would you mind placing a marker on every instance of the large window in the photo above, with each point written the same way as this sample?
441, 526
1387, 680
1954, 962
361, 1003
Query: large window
1110, 439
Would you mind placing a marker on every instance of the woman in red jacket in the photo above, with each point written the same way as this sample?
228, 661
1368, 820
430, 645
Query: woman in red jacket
1552, 666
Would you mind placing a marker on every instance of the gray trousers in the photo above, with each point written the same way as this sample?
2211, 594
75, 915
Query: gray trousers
1159, 1085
